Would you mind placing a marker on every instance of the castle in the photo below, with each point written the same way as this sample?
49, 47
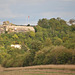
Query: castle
9, 27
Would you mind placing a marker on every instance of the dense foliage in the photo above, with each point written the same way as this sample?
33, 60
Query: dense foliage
53, 42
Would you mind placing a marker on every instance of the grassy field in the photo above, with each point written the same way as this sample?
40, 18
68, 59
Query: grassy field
40, 70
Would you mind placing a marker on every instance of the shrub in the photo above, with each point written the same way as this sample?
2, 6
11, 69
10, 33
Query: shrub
60, 55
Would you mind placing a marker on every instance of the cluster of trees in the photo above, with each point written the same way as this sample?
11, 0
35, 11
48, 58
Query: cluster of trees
53, 42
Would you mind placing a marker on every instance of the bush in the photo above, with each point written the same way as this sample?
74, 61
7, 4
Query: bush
60, 55
41, 54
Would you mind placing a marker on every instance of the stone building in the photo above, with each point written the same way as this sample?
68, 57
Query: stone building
9, 27
2, 29
16, 46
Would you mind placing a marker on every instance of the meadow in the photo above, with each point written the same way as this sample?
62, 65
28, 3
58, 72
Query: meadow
39, 70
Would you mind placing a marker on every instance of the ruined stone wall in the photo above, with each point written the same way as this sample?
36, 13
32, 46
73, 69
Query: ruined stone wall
19, 29
9, 27
2, 29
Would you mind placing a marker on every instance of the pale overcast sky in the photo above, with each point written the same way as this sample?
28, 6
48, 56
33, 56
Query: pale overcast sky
17, 11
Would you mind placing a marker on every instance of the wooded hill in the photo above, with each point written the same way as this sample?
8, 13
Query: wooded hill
53, 42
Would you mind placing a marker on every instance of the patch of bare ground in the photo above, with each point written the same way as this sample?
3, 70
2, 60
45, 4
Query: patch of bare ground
1, 68
40, 70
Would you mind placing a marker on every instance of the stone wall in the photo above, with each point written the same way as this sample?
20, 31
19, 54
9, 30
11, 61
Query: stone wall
19, 29
2, 29
9, 27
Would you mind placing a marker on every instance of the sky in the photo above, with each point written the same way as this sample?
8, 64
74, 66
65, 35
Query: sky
17, 11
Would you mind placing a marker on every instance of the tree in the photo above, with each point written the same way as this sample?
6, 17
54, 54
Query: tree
39, 57
58, 41
27, 59
32, 34
71, 21
58, 18
36, 45
43, 23
28, 25
63, 22
15, 36
73, 27
48, 42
